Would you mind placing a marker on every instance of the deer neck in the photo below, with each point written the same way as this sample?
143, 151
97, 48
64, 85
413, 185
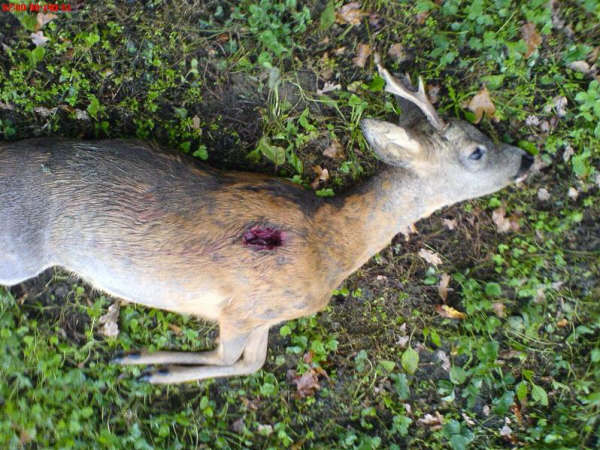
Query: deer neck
364, 221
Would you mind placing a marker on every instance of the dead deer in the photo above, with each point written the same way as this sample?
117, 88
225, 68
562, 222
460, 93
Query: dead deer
245, 250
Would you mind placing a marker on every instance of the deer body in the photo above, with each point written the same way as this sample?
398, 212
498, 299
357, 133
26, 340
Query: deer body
246, 250
153, 229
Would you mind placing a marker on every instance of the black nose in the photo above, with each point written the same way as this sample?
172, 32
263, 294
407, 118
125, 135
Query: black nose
526, 162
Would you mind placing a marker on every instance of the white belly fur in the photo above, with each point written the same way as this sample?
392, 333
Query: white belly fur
208, 304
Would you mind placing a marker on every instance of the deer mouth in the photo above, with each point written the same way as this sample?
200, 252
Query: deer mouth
526, 163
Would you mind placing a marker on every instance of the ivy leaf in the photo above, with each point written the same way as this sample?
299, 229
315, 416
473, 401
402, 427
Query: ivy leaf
94, 106
522, 391
401, 385
410, 360
458, 375
273, 153
387, 365
538, 394
328, 16
201, 153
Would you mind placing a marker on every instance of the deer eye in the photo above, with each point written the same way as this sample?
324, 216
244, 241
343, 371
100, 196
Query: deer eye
477, 153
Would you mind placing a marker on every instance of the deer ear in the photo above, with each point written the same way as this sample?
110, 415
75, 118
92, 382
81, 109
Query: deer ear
393, 144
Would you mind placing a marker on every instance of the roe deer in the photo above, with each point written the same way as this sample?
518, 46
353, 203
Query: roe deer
246, 250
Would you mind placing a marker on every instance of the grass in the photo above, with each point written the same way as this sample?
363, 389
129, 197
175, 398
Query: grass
236, 84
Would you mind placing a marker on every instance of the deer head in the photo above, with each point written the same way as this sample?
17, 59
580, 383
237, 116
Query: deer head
454, 160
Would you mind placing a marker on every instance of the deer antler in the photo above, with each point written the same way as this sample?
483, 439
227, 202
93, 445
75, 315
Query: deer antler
419, 98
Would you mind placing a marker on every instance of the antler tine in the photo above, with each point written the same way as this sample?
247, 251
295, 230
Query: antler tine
419, 98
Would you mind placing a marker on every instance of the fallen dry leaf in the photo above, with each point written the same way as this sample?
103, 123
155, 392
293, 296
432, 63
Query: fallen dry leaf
531, 38
540, 296
516, 409
264, 429
449, 312
43, 111
481, 104
299, 445
42, 19
80, 114
557, 21
238, 425
307, 384
510, 354
594, 54
499, 309
410, 229
322, 175
308, 357
532, 121
375, 20
504, 224
443, 357
350, 14
326, 69
433, 421
363, 52
505, 431
397, 53
579, 66
468, 420
568, 153
110, 328
402, 341
559, 104
543, 194
329, 87
250, 404
334, 150
422, 17
443, 286
175, 329
223, 38
573, 193
431, 257
195, 122
449, 223
326, 73
433, 93
38, 38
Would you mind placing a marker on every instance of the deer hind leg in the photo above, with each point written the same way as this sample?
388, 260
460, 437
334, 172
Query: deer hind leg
225, 361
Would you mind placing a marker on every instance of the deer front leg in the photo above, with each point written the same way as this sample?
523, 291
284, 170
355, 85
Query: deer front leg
223, 362
230, 347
